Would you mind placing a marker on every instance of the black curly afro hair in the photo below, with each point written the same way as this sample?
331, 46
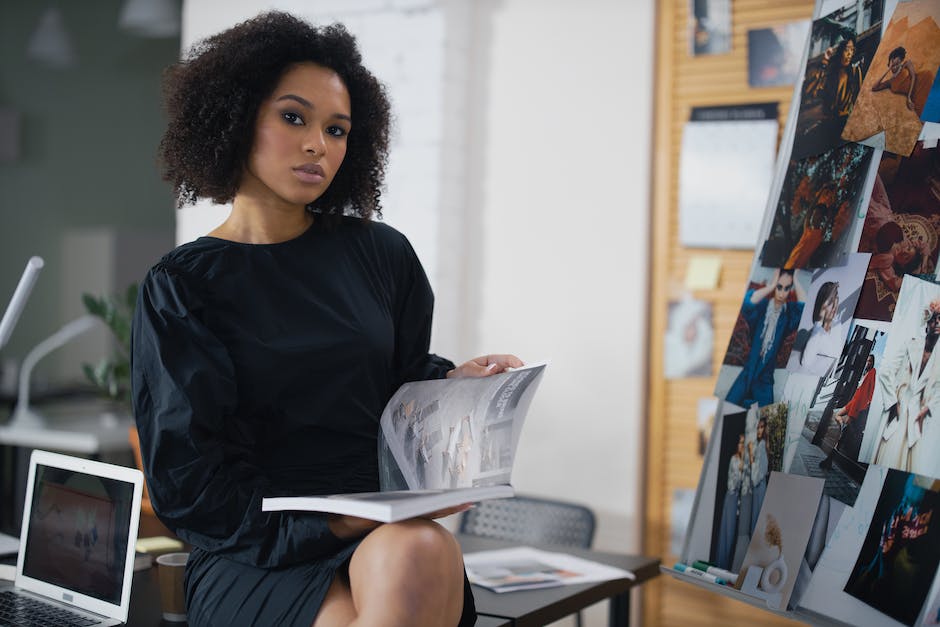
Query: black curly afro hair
212, 98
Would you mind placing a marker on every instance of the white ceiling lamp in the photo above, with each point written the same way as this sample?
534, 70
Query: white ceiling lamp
151, 18
50, 42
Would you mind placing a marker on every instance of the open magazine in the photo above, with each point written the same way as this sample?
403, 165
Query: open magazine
442, 443
525, 568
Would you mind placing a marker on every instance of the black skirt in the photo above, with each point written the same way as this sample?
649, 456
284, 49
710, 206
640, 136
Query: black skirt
222, 592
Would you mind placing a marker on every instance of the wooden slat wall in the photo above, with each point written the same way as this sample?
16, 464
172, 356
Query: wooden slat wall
672, 459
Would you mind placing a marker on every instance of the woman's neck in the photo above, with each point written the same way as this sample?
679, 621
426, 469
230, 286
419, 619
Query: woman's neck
250, 223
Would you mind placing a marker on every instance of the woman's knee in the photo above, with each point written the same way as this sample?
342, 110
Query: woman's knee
418, 540
420, 548
410, 570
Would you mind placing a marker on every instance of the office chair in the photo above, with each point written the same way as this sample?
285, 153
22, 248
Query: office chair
149, 525
531, 520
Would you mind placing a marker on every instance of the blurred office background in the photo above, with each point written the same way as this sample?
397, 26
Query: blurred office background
520, 170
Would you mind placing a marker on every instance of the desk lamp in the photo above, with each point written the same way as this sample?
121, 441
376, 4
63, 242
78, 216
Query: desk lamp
23, 416
20, 295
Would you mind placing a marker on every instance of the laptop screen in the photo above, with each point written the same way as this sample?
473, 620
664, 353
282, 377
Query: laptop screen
77, 536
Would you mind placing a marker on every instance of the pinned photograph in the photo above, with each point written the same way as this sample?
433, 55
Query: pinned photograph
751, 447
689, 341
899, 557
824, 527
841, 47
904, 430
707, 408
895, 91
683, 499
765, 451
931, 113
732, 511
710, 27
754, 369
815, 221
825, 595
774, 54
781, 535
838, 415
800, 395
833, 294
901, 229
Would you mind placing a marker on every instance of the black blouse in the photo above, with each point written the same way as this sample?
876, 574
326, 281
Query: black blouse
263, 369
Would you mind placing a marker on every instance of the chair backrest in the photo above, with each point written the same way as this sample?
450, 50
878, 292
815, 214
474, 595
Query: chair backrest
134, 440
532, 520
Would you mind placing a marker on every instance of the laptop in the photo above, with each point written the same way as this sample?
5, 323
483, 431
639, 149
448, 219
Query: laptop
77, 542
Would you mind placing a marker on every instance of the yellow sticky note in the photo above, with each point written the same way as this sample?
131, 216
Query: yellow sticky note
702, 273
158, 545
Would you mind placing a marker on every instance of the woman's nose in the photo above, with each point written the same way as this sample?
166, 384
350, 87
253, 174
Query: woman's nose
314, 143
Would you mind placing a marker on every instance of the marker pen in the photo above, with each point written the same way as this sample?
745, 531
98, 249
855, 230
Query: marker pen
688, 570
727, 575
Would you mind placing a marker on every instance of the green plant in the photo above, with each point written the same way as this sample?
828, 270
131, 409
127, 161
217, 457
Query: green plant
113, 374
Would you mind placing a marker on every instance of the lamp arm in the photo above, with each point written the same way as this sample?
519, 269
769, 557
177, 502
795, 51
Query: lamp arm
20, 294
61, 337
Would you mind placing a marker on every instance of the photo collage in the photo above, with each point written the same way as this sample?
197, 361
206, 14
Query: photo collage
822, 469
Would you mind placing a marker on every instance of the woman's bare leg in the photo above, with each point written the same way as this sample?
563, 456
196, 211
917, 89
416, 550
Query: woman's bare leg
337, 609
402, 574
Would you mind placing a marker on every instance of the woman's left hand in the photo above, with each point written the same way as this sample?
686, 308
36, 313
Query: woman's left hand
485, 366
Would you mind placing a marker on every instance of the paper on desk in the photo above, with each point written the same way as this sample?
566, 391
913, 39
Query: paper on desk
7, 572
523, 568
8, 544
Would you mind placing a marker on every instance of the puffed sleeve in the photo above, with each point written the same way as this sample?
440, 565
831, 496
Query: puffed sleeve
414, 309
204, 486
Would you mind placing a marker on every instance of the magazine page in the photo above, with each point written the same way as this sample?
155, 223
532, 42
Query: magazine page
522, 568
455, 433
387, 506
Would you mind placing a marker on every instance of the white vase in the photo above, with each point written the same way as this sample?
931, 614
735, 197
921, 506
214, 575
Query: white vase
774, 575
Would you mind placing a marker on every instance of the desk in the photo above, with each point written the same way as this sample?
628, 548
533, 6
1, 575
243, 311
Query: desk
90, 435
145, 601
533, 608
100, 436
523, 608
145, 604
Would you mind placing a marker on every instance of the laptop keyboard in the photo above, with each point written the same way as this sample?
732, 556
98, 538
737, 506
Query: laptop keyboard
20, 610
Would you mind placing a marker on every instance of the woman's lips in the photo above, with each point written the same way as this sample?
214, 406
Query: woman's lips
310, 173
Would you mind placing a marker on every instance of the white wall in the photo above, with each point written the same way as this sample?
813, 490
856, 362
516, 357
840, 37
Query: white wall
542, 212
564, 253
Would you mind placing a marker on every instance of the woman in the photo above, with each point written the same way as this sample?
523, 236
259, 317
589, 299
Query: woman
760, 467
910, 392
728, 531
826, 336
835, 83
905, 80
264, 354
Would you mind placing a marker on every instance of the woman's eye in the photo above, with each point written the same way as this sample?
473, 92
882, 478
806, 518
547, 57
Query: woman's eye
292, 118
336, 131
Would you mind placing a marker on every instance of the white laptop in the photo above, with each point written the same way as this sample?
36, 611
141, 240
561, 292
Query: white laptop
77, 541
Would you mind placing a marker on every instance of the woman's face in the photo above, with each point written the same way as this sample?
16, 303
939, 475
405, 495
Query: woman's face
740, 446
894, 64
830, 307
300, 138
848, 52
903, 251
